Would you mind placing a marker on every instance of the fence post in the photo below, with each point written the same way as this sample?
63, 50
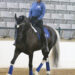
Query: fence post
59, 30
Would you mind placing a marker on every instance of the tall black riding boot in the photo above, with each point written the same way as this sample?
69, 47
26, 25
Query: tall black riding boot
45, 43
43, 38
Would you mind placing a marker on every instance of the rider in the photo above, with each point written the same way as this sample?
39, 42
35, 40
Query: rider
36, 14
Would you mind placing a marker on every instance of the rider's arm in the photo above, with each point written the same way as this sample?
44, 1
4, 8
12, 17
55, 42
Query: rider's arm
43, 12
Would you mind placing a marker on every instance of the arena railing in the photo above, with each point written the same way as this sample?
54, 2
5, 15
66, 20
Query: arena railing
60, 30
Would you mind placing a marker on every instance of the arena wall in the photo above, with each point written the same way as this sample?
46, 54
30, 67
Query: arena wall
59, 13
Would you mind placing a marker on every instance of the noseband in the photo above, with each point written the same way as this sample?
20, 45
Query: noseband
20, 25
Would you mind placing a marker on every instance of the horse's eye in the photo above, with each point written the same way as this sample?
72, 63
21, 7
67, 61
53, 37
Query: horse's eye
18, 26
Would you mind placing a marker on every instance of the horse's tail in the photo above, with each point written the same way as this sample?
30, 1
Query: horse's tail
55, 52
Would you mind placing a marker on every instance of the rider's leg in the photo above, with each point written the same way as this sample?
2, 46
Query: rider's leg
43, 38
39, 24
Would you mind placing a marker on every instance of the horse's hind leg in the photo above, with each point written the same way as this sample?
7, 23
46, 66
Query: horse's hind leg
13, 61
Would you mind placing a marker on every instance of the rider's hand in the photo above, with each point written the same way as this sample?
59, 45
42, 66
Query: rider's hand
36, 21
29, 19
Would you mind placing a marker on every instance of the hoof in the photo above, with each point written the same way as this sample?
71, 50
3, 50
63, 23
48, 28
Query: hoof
8, 74
33, 73
48, 73
36, 73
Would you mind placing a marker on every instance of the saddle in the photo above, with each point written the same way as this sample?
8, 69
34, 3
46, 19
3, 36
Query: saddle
47, 34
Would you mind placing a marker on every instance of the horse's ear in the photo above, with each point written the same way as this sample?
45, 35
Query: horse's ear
15, 17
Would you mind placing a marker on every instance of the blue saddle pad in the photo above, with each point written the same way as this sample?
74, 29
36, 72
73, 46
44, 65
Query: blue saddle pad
47, 34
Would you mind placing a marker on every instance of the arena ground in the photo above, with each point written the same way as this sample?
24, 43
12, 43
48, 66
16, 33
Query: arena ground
23, 71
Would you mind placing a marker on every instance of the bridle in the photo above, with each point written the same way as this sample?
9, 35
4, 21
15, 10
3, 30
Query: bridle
18, 25
30, 25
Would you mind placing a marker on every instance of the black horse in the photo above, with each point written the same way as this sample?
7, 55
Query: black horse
27, 41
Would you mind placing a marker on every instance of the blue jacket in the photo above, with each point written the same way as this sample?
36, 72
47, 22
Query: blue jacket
37, 10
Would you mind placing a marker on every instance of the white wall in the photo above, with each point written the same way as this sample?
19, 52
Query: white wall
67, 55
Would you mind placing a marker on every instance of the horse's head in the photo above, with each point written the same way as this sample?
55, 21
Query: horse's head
22, 25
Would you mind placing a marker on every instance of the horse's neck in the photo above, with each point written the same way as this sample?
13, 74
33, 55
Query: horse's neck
31, 34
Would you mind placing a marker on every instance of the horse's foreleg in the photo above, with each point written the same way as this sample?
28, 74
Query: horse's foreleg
30, 64
13, 61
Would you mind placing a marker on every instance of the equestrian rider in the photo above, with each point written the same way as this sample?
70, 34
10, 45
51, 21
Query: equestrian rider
36, 14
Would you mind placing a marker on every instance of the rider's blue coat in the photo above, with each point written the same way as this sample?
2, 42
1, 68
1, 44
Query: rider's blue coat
37, 10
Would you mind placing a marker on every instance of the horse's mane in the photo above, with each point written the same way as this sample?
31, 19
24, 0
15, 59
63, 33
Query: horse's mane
23, 19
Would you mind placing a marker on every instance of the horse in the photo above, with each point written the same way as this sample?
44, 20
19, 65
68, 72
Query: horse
28, 41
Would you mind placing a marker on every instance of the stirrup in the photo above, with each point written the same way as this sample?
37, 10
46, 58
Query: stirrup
47, 49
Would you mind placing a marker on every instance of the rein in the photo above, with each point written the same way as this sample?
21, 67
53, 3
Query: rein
30, 25
33, 28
